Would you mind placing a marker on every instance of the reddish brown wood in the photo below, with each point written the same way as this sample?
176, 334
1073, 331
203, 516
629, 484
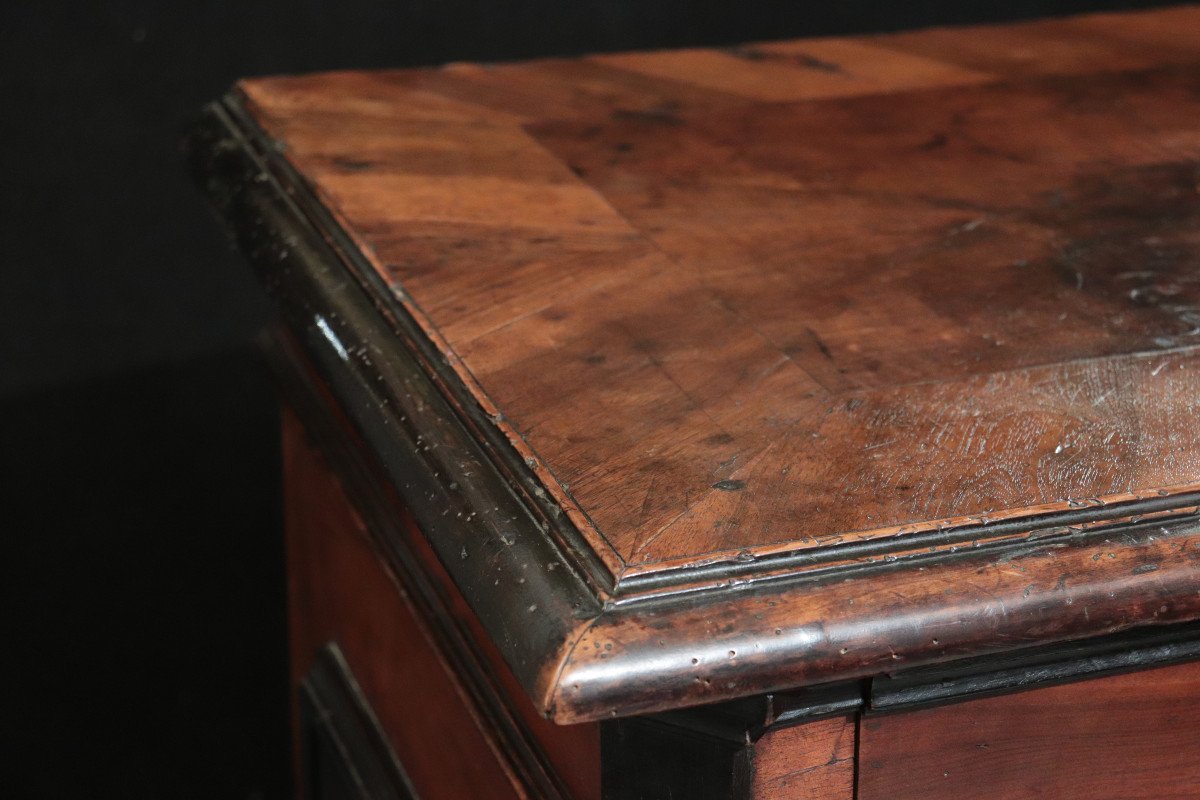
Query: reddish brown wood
794, 293
1075, 45
790, 363
339, 590
1120, 738
814, 761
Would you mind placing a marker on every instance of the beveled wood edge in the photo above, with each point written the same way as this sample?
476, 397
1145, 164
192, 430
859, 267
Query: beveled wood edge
581, 649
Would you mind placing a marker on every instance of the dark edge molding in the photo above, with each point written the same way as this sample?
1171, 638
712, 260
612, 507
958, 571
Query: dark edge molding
367, 476
481, 530
337, 720
362, 483
972, 679
1029, 528
553, 617
913, 612
749, 718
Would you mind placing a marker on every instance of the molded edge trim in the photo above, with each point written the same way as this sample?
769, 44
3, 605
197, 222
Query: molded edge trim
527, 595
913, 612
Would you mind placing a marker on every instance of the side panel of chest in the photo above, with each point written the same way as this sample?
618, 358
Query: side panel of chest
443, 718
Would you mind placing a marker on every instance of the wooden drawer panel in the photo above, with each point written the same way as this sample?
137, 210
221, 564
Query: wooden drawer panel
1123, 737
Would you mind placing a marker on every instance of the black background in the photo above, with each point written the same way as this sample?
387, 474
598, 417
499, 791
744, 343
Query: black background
142, 579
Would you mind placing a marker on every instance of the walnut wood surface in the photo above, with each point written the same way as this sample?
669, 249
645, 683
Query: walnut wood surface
1121, 738
713, 373
767, 298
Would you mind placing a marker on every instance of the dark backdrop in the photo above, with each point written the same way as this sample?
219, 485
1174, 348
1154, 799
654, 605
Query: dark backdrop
137, 458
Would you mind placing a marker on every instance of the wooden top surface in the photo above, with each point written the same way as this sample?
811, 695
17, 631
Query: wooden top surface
716, 372
764, 298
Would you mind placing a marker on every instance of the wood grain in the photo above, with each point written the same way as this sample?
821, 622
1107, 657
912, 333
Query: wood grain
766, 298
1124, 738
700, 392
1074, 45
814, 761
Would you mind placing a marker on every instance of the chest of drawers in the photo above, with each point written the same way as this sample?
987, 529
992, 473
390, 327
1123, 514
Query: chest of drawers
800, 419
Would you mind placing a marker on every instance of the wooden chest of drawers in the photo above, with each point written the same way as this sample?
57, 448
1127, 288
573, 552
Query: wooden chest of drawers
800, 419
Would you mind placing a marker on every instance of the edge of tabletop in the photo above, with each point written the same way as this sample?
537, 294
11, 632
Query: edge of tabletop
580, 650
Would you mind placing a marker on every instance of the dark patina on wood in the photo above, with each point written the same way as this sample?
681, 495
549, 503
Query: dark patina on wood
708, 374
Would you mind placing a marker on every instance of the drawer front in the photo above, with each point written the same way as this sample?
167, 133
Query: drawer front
1124, 737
